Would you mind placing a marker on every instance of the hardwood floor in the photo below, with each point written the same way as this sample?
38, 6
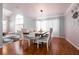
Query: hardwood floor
0, 51
59, 46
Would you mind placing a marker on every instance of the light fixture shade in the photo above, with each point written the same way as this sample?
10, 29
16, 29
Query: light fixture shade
41, 10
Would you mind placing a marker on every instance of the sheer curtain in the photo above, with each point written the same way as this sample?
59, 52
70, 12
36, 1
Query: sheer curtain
45, 25
41, 25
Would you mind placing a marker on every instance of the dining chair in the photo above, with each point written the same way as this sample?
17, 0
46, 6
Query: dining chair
22, 38
45, 39
31, 36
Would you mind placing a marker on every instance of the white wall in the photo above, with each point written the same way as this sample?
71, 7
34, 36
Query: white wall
72, 28
62, 26
1, 25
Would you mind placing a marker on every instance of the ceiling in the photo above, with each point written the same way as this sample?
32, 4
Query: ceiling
32, 10
6, 12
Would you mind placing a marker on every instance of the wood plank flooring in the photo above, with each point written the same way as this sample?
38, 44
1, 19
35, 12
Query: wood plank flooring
0, 51
59, 46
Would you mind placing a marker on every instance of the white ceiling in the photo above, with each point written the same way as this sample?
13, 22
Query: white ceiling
6, 12
32, 10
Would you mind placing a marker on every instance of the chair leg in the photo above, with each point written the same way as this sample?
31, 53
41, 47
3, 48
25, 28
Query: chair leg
47, 47
29, 43
37, 45
49, 44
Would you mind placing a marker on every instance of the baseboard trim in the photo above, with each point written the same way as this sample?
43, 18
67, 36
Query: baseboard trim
60, 36
73, 44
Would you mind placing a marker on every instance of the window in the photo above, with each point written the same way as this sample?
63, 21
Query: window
18, 22
41, 25
4, 25
45, 25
